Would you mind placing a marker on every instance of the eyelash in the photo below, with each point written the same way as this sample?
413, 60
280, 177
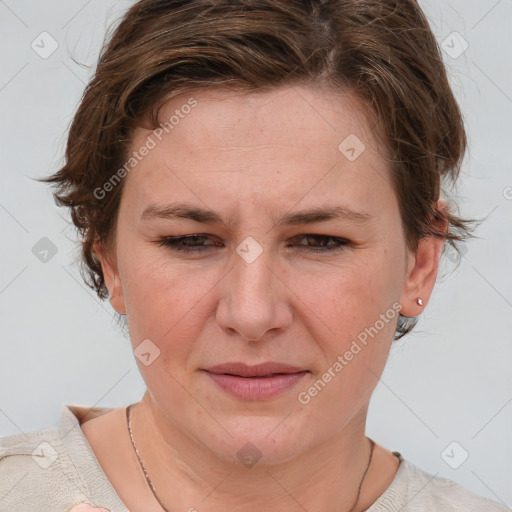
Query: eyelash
173, 243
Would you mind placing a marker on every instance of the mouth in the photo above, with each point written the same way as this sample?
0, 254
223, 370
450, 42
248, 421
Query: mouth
259, 382
260, 370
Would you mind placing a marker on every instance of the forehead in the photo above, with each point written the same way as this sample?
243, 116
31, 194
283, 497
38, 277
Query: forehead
284, 115
279, 144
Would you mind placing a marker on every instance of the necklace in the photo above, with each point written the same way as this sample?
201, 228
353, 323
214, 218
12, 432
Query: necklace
153, 490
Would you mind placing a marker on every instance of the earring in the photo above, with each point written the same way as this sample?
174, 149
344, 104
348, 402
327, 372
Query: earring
419, 301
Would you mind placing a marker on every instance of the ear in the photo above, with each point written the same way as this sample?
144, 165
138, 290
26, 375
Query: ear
111, 275
422, 269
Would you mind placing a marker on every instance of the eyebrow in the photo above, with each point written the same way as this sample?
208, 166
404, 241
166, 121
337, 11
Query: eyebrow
202, 215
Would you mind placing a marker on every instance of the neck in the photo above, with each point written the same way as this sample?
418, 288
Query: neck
186, 473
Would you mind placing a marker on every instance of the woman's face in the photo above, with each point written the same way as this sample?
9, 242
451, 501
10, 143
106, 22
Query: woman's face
299, 259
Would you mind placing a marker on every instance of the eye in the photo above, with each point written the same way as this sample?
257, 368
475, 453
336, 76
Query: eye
321, 243
197, 243
187, 244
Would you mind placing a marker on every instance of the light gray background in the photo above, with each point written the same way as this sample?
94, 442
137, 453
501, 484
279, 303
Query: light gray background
448, 382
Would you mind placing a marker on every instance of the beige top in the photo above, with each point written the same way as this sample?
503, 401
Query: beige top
54, 469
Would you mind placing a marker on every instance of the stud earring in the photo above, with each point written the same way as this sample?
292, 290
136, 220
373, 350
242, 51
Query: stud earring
419, 301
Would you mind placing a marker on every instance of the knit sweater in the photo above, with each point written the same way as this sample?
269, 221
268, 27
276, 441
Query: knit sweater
55, 469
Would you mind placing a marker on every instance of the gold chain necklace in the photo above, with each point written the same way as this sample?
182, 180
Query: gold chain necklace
153, 490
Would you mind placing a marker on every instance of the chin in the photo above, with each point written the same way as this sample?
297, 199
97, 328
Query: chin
257, 440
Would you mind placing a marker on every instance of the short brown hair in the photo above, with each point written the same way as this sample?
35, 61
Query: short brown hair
381, 51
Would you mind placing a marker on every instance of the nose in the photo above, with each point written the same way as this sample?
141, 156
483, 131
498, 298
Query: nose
254, 298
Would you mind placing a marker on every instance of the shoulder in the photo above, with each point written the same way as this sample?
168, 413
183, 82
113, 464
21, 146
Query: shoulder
36, 473
415, 490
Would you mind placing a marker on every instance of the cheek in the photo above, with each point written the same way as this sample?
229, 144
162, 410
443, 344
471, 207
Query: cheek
155, 294
360, 307
165, 316
352, 297
357, 307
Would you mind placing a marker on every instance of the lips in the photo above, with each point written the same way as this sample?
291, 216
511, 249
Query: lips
259, 382
259, 370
